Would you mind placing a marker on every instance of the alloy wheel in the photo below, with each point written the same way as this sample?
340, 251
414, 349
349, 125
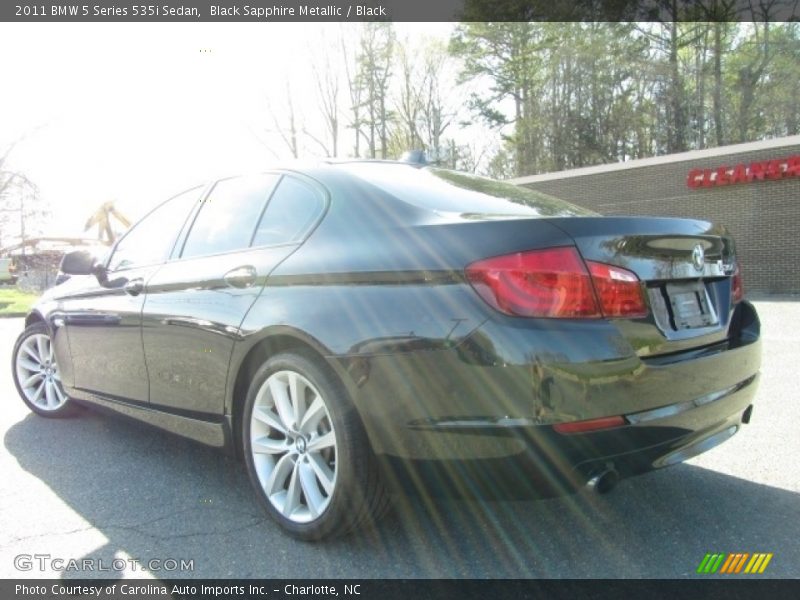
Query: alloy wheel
293, 446
38, 375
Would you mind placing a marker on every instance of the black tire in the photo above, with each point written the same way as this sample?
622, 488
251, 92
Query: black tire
53, 403
357, 497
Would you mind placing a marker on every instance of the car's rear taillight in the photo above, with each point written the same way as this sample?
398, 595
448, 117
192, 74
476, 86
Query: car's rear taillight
618, 290
737, 287
556, 283
539, 283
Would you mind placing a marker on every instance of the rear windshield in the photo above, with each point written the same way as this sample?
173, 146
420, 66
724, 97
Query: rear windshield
448, 191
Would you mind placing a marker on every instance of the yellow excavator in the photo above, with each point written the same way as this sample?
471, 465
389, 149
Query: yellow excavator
102, 219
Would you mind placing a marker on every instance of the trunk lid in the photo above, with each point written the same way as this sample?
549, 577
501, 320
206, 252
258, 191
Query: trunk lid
685, 265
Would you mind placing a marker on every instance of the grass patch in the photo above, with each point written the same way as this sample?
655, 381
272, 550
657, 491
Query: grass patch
14, 302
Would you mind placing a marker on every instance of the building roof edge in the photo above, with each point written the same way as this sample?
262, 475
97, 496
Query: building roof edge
793, 140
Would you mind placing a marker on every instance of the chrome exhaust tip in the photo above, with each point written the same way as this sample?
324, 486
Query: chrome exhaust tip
603, 482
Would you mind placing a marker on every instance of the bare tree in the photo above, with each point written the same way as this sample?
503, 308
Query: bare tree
425, 100
376, 48
350, 58
20, 201
286, 130
408, 103
438, 98
327, 81
7, 176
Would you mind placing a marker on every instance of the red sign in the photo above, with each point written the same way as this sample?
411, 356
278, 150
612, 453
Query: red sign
781, 168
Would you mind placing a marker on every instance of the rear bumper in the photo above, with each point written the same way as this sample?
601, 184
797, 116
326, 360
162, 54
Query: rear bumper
553, 464
483, 421
661, 442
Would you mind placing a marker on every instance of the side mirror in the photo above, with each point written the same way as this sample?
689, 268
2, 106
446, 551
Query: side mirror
81, 262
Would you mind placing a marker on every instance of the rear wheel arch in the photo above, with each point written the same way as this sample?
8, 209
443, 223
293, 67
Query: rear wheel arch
273, 344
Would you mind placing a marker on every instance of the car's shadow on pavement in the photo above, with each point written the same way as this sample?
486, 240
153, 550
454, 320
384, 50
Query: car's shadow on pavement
154, 495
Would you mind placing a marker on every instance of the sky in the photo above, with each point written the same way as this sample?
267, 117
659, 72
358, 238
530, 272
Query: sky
135, 113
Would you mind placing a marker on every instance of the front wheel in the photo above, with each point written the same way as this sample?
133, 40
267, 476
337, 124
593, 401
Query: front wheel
36, 373
306, 450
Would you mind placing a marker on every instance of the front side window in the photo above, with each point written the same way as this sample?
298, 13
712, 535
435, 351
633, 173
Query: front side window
150, 241
227, 218
291, 212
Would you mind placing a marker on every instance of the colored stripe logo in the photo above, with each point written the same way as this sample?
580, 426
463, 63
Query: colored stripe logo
734, 563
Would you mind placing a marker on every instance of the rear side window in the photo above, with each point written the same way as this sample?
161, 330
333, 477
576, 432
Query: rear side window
292, 211
226, 220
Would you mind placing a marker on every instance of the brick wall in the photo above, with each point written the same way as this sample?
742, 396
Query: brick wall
763, 216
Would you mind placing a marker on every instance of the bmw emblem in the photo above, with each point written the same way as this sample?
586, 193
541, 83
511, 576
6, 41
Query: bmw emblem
698, 257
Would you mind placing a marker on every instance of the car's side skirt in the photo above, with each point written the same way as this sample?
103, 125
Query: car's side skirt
211, 430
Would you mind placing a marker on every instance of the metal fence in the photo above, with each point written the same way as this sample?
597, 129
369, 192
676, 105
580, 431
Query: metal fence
37, 272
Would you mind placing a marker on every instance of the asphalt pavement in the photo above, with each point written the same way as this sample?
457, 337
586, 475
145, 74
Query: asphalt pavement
126, 496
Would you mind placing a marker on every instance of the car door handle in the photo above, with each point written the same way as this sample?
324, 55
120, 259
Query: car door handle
134, 287
241, 277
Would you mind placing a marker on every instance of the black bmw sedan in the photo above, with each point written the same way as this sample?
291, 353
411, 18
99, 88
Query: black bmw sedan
348, 328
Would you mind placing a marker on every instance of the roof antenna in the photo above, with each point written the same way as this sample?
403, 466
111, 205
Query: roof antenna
415, 157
